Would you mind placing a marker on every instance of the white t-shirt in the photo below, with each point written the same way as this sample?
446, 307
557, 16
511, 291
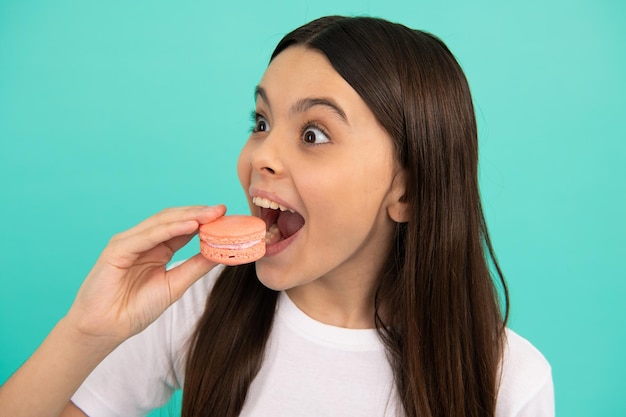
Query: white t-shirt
310, 369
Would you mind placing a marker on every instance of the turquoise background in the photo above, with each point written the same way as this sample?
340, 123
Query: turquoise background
111, 111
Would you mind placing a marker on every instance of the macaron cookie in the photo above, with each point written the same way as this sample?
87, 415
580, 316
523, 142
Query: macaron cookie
233, 240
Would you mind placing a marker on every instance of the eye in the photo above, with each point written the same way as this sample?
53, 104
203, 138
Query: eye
314, 135
260, 124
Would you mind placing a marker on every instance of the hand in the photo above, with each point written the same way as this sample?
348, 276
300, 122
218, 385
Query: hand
129, 286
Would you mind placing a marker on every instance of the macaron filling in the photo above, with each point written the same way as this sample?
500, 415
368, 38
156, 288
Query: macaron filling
234, 246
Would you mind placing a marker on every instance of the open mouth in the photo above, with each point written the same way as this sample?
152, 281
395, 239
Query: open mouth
281, 222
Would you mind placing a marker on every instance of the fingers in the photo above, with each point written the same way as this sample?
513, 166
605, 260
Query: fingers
184, 275
172, 227
201, 214
122, 253
178, 242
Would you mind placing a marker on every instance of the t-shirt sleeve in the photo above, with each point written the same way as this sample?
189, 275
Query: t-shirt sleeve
144, 371
526, 387
540, 403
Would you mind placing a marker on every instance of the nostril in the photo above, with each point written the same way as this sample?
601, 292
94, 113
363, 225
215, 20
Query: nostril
265, 160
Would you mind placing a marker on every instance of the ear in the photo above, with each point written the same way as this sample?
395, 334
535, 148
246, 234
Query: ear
397, 207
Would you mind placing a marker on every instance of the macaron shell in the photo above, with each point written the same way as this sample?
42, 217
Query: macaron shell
233, 230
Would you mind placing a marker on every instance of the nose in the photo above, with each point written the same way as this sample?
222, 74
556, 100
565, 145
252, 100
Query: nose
266, 156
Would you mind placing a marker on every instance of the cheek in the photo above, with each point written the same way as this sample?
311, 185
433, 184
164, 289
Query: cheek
342, 196
244, 168
351, 201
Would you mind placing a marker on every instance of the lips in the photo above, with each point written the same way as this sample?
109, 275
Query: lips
281, 221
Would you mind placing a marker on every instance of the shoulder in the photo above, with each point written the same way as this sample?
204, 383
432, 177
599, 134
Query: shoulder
525, 381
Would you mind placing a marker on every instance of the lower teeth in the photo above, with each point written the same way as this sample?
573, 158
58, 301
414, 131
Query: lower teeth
272, 235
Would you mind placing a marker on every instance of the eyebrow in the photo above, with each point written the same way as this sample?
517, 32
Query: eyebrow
305, 104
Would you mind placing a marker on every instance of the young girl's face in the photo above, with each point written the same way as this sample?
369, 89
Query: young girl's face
319, 169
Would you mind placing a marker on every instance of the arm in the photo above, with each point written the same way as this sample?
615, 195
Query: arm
127, 289
72, 411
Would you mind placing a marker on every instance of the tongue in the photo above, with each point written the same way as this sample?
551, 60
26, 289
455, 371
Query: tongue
289, 223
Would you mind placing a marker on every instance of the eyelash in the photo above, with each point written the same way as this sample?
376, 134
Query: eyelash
313, 125
254, 118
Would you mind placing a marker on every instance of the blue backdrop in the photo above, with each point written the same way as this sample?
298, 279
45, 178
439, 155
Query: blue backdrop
111, 111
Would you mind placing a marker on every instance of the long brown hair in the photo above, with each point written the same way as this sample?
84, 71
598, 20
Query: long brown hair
444, 334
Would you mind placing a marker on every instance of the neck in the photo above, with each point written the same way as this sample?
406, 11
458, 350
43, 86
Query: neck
349, 305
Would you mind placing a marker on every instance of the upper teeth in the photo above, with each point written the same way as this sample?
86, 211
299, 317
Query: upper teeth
265, 203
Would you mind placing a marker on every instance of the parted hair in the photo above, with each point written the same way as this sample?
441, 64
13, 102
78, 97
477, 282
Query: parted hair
445, 333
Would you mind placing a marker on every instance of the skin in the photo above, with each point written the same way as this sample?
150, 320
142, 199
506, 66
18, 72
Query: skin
331, 162
127, 289
346, 185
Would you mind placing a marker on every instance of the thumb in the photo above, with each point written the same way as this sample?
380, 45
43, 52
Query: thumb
186, 274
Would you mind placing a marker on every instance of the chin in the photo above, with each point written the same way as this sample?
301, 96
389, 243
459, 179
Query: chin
272, 280
276, 280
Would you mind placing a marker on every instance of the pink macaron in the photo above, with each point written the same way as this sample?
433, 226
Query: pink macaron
233, 240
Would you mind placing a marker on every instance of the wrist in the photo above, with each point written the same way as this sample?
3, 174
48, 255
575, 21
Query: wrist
54, 371
81, 335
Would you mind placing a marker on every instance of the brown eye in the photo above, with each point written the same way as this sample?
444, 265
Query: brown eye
314, 136
309, 136
261, 125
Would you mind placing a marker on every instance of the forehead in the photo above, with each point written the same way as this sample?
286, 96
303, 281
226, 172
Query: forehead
299, 72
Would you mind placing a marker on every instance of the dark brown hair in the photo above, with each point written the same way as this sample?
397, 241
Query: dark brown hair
445, 334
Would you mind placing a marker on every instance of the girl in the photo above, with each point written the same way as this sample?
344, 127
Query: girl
375, 296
